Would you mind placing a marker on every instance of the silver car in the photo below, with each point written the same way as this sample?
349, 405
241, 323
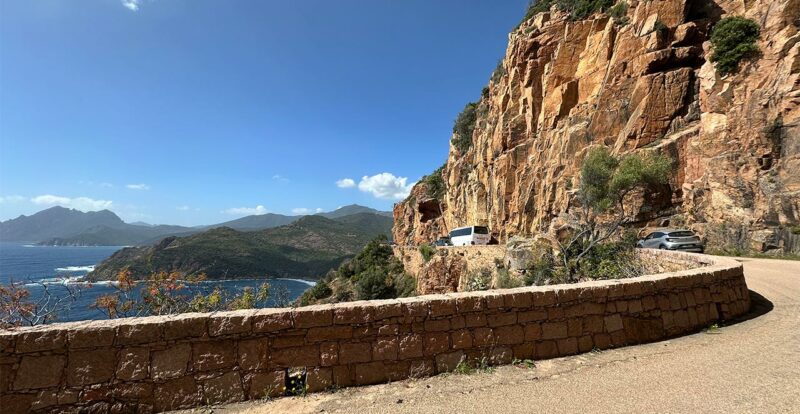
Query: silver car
672, 239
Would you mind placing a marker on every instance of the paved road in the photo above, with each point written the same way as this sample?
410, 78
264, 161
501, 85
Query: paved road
752, 366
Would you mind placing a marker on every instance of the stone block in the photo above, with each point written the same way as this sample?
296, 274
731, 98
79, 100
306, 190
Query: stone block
265, 384
343, 376
265, 321
411, 346
311, 316
370, 373
421, 368
190, 325
133, 364
437, 325
448, 361
519, 300
501, 355
172, 362
533, 332
134, 391
531, 316
213, 355
253, 354
524, 351
509, 335
229, 323
350, 353
475, 319
483, 337
388, 309
554, 330
178, 393
329, 354
37, 372
91, 366
303, 356
385, 349
289, 339
139, 332
461, 339
575, 327
43, 340
319, 379
223, 389
329, 333
613, 323
350, 314
91, 336
466, 304
567, 346
442, 307
585, 343
501, 319
436, 342
457, 322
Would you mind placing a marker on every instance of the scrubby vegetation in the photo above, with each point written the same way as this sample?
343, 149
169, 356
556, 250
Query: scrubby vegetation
464, 127
434, 183
619, 12
427, 251
375, 273
590, 244
578, 9
732, 40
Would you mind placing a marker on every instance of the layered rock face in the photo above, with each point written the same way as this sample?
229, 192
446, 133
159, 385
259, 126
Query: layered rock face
648, 85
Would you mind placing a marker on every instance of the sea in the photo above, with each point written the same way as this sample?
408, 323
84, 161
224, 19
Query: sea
57, 270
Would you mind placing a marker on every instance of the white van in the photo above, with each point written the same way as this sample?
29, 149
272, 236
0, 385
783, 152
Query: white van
467, 236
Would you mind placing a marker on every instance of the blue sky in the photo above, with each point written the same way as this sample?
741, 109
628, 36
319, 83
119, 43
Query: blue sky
198, 111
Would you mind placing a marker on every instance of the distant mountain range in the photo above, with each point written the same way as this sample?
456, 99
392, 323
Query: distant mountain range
61, 226
308, 247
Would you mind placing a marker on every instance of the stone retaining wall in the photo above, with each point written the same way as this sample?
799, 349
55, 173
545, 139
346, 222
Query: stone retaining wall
168, 362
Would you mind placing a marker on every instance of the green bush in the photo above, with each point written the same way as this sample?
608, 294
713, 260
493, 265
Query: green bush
578, 9
464, 127
506, 281
427, 252
479, 280
732, 40
619, 12
541, 271
434, 183
375, 273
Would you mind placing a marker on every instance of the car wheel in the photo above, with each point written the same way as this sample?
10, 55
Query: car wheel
662, 247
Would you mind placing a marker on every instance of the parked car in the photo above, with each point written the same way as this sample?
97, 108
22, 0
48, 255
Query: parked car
443, 241
472, 235
672, 239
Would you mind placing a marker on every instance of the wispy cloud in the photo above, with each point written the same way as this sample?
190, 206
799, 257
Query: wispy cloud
12, 199
305, 211
346, 183
278, 177
183, 208
386, 186
138, 187
246, 211
79, 203
132, 5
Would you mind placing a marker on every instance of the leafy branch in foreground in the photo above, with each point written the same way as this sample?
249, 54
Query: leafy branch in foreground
606, 181
18, 308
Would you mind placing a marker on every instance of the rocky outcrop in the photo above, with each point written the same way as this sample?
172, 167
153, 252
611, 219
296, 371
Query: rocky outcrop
565, 86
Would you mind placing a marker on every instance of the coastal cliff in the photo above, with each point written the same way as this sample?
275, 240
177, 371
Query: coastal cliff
640, 81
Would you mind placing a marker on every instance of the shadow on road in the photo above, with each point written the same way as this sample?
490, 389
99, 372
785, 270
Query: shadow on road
759, 305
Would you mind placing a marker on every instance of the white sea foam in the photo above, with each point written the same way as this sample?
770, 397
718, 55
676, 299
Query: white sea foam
75, 269
308, 282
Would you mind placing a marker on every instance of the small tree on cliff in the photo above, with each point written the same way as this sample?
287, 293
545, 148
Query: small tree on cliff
606, 181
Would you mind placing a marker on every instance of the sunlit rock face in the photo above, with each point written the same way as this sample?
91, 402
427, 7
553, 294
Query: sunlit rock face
647, 85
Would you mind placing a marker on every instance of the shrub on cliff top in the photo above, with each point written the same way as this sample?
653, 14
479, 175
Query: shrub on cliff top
464, 127
578, 9
434, 183
732, 40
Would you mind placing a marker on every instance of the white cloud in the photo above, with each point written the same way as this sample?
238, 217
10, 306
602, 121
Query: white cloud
386, 186
131, 4
79, 203
278, 177
12, 199
305, 211
247, 211
183, 208
140, 187
346, 183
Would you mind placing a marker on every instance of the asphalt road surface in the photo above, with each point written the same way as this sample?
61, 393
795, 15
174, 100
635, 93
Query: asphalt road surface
749, 366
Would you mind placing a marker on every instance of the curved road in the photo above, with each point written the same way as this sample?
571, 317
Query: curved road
749, 366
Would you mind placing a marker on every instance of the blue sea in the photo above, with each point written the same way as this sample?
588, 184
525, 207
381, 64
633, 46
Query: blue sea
60, 268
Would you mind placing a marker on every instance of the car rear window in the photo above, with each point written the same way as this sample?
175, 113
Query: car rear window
681, 234
481, 230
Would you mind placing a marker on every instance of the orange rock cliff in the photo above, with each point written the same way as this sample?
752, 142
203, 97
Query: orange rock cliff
565, 86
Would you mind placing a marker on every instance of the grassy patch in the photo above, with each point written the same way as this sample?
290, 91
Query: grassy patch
427, 252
